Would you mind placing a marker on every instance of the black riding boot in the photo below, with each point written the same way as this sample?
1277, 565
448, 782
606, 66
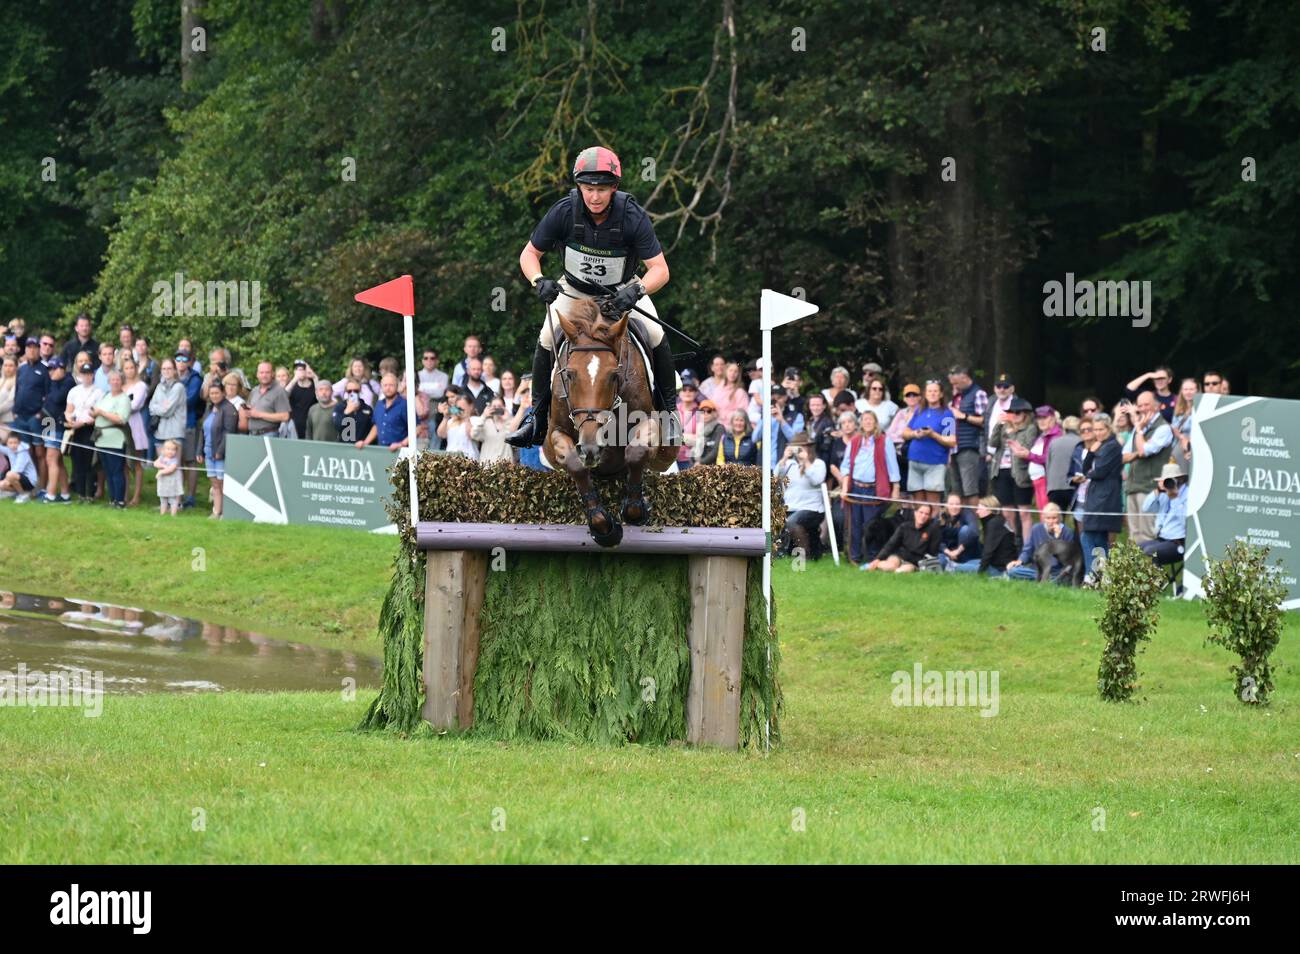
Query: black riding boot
533, 429
666, 388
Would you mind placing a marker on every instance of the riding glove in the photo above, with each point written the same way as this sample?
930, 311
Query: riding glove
627, 296
548, 289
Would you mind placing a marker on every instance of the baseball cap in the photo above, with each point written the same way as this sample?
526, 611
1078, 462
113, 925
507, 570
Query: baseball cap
1003, 380
755, 365
792, 372
1044, 410
910, 389
33, 343
1019, 404
872, 368
300, 363
183, 356
86, 368
688, 378
707, 405
54, 362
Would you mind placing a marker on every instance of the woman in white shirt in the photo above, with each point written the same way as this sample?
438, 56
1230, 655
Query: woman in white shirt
138, 391
875, 401
8, 385
455, 426
804, 475
839, 382
490, 431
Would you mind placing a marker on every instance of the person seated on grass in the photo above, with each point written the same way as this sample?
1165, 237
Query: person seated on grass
20, 478
1023, 568
911, 543
959, 532
999, 542
1169, 504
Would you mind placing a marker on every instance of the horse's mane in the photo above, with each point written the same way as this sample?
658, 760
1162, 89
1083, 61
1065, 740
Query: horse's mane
590, 322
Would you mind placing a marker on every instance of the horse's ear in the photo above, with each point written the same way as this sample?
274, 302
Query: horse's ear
569, 326
617, 328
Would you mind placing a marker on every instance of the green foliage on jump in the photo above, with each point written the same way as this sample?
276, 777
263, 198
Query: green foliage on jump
584, 648
455, 489
401, 628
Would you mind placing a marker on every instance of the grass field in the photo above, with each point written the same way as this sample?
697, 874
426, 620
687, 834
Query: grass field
1187, 775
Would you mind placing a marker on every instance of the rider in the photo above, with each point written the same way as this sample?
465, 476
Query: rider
605, 234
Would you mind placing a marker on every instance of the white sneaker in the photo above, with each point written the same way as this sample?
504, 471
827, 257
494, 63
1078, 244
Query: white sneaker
22, 498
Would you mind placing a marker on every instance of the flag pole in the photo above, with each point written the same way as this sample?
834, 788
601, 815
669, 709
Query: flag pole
412, 450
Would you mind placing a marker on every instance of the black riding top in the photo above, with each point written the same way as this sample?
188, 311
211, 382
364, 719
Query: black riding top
600, 257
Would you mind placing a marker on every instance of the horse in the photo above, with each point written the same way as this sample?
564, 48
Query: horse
603, 417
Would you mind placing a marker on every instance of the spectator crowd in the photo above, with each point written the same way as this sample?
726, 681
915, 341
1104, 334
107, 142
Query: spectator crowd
954, 478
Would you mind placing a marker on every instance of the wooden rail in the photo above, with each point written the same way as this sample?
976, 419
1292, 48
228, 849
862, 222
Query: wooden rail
558, 537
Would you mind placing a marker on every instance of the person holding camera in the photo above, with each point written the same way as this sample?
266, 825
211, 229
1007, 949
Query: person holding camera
353, 418
454, 428
1168, 504
1146, 454
804, 475
490, 430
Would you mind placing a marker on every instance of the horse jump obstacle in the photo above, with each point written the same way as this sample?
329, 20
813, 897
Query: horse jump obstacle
456, 574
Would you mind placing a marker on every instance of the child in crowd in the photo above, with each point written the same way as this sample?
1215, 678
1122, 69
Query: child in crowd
21, 476
169, 478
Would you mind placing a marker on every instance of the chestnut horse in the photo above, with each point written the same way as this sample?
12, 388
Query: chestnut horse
603, 417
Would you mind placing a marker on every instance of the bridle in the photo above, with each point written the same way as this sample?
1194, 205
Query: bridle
581, 415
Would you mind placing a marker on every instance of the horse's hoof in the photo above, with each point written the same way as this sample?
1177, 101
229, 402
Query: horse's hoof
636, 514
610, 539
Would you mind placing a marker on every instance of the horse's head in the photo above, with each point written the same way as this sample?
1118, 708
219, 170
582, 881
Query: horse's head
593, 375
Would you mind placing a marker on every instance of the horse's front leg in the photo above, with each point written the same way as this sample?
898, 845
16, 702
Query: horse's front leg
604, 529
635, 508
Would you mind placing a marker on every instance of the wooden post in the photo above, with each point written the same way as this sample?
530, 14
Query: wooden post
716, 636
453, 596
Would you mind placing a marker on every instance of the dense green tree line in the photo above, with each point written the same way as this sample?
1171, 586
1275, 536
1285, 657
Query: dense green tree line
321, 146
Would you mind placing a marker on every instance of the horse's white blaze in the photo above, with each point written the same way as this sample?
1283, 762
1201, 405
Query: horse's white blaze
592, 367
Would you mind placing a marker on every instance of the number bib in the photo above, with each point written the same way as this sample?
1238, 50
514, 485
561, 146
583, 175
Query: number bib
594, 267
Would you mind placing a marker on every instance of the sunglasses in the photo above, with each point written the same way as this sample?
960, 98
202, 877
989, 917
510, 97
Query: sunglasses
908, 394
1001, 387
875, 387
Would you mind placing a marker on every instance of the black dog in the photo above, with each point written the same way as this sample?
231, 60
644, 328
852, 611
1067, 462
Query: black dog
1067, 552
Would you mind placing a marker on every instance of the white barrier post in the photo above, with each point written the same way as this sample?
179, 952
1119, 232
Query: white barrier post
774, 310
830, 520
411, 451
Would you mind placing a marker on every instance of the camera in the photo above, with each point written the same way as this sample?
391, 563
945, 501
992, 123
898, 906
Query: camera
1169, 483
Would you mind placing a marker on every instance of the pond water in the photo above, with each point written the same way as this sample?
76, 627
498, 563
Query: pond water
138, 651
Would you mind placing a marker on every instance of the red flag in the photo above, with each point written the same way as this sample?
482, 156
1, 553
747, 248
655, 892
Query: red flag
397, 295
